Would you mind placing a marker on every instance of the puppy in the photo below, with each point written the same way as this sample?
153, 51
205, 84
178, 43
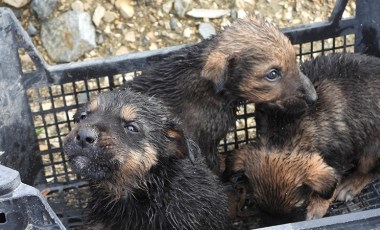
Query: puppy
286, 186
144, 172
338, 135
203, 84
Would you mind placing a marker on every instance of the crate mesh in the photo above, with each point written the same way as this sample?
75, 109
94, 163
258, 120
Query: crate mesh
53, 108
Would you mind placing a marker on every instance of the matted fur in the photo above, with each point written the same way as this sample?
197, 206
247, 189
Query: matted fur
343, 126
284, 184
144, 172
204, 83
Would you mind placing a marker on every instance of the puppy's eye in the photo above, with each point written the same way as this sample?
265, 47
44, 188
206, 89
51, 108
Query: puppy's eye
273, 75
131, 128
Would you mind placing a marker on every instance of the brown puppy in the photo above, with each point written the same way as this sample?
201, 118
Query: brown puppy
342, 127
287, 186
144, 172
203, 84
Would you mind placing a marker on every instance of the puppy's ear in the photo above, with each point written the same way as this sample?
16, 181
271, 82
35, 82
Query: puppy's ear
321, 178
179, 144
216, 69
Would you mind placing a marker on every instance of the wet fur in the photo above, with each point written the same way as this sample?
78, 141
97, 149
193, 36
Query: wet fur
151, 179
343, 127
203, 84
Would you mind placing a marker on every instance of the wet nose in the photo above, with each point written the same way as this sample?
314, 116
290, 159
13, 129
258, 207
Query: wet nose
86, 137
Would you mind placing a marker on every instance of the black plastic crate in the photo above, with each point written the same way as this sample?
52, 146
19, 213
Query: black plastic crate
47, 96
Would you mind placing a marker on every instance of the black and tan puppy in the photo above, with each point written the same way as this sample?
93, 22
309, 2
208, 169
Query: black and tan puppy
203, 84
144, 172
286, 185
342, 127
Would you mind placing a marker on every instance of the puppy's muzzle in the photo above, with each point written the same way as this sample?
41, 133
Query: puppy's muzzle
308, 90
86, 137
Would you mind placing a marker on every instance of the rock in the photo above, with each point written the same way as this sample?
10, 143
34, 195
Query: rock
98, 15
44, 8
125, 8
100, 39
77, 6
69, 36
122, 50
130, 36
109, 16
167, 6
187, 33
16, 3
32, 31
207, 13
173, 23
181, 6
206, 30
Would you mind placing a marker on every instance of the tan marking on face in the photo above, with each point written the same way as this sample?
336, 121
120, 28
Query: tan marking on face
128, 113
318, 207
94, 105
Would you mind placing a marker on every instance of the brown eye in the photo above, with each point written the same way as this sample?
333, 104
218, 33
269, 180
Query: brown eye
273, 75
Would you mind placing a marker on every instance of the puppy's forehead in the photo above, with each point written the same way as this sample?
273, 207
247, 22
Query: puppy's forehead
128, 112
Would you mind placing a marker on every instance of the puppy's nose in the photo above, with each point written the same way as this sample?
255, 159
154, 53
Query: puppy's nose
86, 137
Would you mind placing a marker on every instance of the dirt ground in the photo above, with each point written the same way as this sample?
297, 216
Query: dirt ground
151, 26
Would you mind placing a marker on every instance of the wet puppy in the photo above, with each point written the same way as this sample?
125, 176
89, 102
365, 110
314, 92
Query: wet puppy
144, 172
287, 186
203, 84
338, 135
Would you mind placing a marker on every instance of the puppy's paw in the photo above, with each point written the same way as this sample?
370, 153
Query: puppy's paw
317, 207
352, 186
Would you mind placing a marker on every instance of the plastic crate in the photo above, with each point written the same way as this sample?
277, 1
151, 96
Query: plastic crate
31, 133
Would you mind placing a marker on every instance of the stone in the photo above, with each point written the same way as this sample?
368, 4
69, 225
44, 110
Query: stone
16, 3
109, 16
98, 15
32, 31
130, 36
187, 32
206, 30
122, 50
125, 8
181, 6
44, 8
77, 6
67, 37
173, 23
207, 13
167, 6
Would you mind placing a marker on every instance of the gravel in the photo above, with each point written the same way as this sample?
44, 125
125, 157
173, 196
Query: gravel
137, 25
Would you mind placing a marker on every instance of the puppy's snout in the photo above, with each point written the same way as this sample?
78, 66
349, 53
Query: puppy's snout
308, 90
86, 137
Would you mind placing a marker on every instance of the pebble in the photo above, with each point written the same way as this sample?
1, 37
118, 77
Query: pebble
167, 6
44, 8
32, 31
125, 8
16, 3
77, 6
100, 39
187, 32
207, 13
67, 37
130, 36
173, 23
98, 15
206, 30
181, 6
109, 16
